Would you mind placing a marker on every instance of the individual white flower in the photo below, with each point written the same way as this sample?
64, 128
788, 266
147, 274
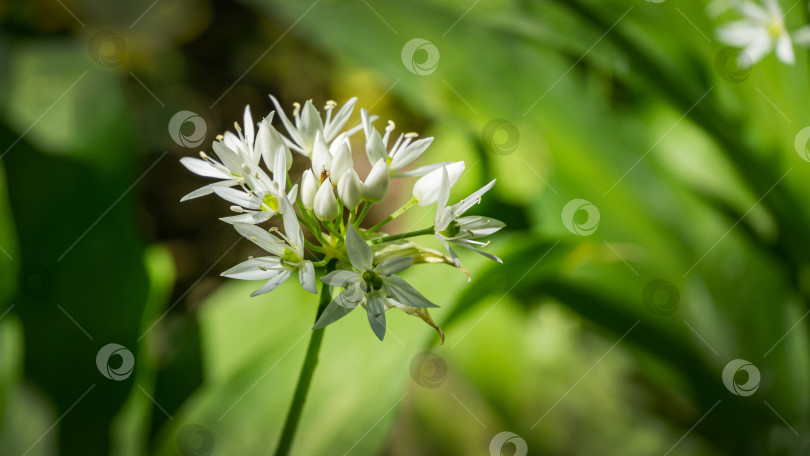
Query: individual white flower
450, 227
426, 189
307, 123
330, 162
404, 151
269, 142
309, 188
261, 199
237, 153
287, 250
326, 207
376, 185
374, 287
350, 189
761, 31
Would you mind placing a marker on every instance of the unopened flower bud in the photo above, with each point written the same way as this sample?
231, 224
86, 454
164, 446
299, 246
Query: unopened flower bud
350, 189
326, 207
341, 162
376, 185
309, 187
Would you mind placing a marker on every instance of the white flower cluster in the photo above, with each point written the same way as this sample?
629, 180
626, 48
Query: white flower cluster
761, 30
252, 173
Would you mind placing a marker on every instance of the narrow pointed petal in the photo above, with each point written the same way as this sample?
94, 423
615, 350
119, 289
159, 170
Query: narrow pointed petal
273, 283
411, 153
261, 238
375, 308
376, 185
291, 129
306, 275
203, 168
359, 252
238, 197
341, 278
426, 189
339, 120
336, 310
475, 198
393, 265
262, 268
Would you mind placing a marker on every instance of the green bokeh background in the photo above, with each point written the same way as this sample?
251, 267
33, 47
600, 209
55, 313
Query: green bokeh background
631, 105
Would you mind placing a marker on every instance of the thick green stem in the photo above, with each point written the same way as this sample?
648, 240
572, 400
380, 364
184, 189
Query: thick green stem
363, 212
397, 237
305, 378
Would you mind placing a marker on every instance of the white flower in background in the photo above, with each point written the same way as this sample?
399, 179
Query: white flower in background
450, 227
307, 123
761, 31
287, 250
404, 151
374, 287
426, 189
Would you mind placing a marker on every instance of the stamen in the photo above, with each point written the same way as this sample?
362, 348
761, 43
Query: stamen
390, 126
220, 137
262, 268
330, 105
254, 239
296, 109
237, 209
238, 128
203, 156
250, 257
411, 135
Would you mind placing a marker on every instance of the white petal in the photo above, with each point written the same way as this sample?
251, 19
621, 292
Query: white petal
238, 197
309, 188
273, 283
325, 205
393, 265
339, 120
376, 185
375, 149
360, 253
474, 198
208, 189
375, 309
405, 294
261, 268
337, 309
784, 49
261, 238
306, 275
411, 153
739, 33
252, 217
441, 202
291, 129
321, 158
203, 168
426, 189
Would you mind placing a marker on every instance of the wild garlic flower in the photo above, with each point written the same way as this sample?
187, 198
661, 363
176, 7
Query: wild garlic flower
404, 151
761, 31
375, 287
331, 200
450, 227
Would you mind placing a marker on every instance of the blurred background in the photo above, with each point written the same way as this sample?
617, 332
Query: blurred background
656, 266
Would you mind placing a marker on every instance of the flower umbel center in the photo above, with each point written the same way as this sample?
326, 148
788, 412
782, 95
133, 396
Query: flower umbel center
373, 281
452, 230
776, 29
290, 257
269, 203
